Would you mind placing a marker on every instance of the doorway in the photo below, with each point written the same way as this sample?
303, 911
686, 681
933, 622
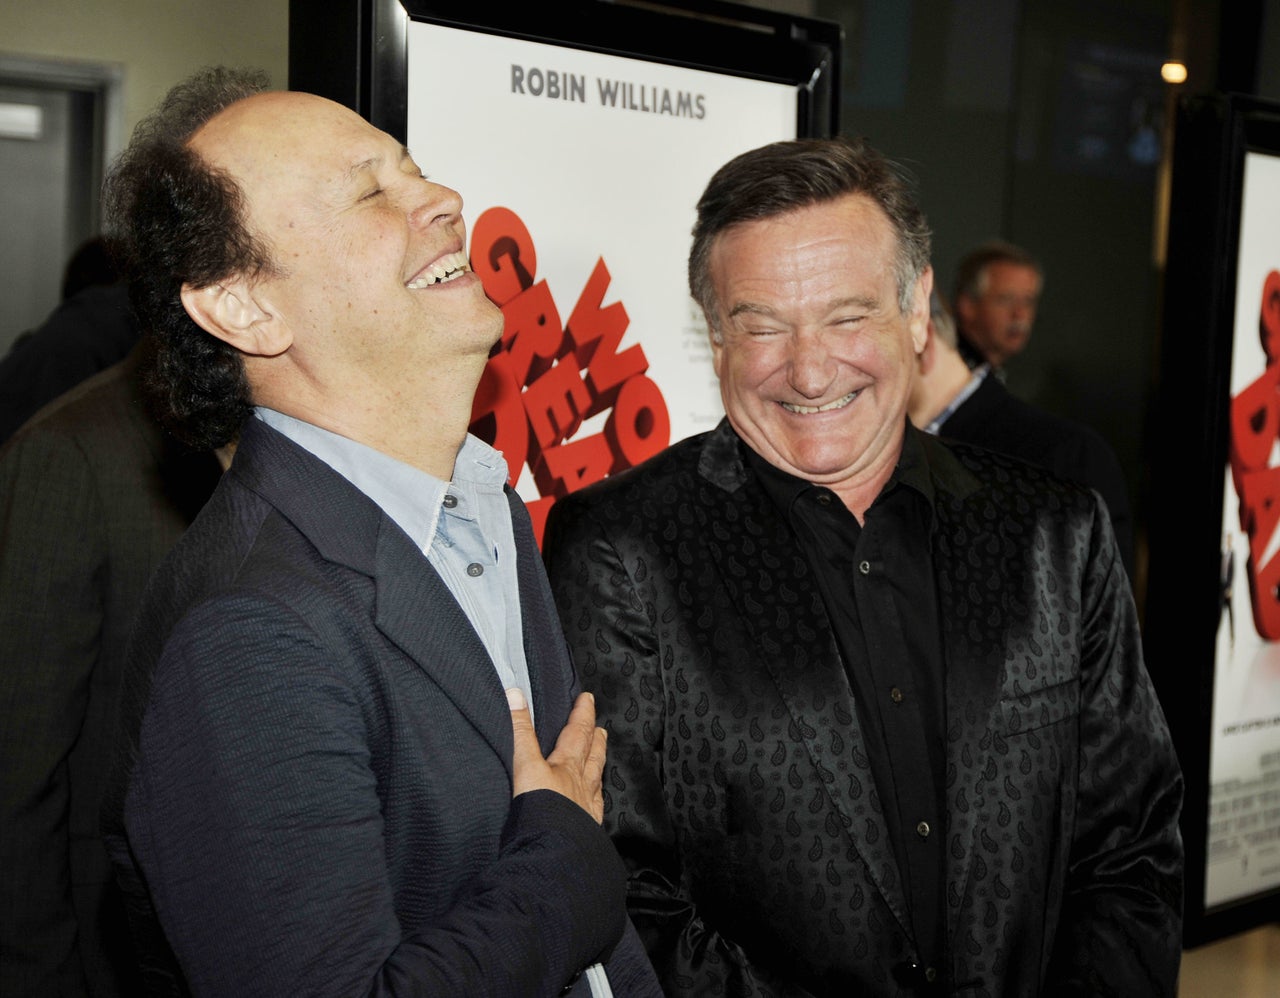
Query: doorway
58, 124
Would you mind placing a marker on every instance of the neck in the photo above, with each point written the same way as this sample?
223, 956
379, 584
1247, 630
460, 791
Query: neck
859, 492
936, 389
423, 424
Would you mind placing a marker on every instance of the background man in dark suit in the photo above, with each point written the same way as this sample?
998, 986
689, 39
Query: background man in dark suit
91, 329
92, 495
949, 399
879, 722
326, 790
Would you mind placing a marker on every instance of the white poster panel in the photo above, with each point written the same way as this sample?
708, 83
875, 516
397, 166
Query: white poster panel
580, 173
1243, 856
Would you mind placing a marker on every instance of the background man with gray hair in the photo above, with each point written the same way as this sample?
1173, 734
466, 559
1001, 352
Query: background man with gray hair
997, 291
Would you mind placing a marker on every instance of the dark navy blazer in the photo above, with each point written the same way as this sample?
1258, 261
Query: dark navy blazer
316, 797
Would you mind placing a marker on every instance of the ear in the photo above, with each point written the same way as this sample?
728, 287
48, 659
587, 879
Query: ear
929, 355
919, 318
233, 312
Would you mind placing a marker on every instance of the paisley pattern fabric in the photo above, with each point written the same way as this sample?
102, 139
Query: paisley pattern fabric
738, 788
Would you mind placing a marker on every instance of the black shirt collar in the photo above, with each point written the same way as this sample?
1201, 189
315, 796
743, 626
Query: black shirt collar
912, 471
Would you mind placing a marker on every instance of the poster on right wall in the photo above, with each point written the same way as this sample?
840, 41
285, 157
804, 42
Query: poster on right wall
1211, 622
1244, 788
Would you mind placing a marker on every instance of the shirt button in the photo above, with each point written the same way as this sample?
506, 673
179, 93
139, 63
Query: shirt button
922, 829
930, 974
895, 695
864, 567
450, 500
824, 498
475, 569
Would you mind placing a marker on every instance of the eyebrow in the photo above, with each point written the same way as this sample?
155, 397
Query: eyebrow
868, 302
372, 163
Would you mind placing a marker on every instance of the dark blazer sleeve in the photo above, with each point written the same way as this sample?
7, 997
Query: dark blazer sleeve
259, 770
611, 638
1120, 929
51, 612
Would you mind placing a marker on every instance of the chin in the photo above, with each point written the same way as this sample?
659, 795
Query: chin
814, 464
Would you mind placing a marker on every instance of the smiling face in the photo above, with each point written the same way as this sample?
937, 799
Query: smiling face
372, 289
815, 356
998, 322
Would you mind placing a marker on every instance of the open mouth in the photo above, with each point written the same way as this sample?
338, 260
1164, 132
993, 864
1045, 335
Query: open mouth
449, 267
809, 410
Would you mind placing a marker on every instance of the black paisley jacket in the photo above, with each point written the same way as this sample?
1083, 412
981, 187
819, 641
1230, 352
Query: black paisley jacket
738, 788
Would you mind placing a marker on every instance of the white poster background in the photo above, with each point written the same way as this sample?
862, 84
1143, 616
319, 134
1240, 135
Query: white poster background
1244, 807
592, 181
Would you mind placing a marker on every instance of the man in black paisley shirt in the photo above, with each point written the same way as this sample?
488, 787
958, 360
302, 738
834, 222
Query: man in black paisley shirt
879, 722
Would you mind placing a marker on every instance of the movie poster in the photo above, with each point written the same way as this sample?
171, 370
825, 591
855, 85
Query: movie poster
580, 173
1244, 801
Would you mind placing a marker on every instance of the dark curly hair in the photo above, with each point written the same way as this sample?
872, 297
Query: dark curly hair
175, 220
783, 176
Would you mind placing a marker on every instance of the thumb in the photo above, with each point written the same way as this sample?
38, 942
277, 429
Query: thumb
521, 722
526, 754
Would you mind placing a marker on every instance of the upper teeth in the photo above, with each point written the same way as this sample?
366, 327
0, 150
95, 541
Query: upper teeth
806, 410
445, 269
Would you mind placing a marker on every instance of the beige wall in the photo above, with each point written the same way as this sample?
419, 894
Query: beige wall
155, 42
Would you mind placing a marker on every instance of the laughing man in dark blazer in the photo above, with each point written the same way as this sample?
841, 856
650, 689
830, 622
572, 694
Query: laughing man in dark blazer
879, 721
332, 783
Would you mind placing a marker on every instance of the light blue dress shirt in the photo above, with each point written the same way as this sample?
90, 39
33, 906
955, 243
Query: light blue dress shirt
463, 527
971, 386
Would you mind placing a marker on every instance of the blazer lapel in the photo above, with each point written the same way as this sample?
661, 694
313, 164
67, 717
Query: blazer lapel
413, 607
417, 612
798, 648
551, 676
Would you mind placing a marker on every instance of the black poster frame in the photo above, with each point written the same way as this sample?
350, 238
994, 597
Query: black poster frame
556, 431
1189, 447
355, 52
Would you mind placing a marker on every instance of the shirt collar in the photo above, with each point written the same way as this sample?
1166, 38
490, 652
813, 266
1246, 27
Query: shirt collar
411, 497
912, 471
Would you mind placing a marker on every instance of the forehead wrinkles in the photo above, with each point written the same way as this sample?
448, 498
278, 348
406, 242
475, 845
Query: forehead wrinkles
372, 162
290, 141
823, 275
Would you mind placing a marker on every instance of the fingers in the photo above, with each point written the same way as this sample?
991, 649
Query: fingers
597, 752
579, 731
584, 710
581, 748
593, 773
575, 766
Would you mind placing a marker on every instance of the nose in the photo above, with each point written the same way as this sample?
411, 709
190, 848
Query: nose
435, 203
811, 370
